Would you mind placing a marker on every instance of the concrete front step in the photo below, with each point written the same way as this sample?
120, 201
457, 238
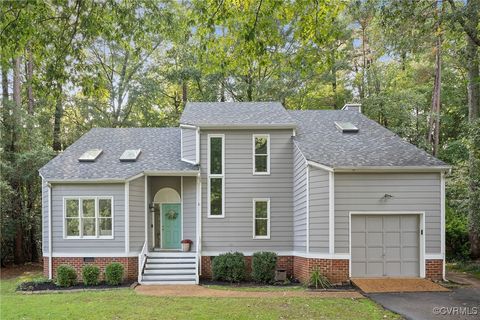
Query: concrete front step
170, 260
169, 277
149, 265
172, 254
169, 271
166, 282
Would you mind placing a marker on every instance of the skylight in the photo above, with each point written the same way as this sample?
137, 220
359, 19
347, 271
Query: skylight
346, 127
130, 155
90, 155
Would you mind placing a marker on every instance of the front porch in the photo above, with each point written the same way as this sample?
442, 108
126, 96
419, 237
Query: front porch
171, 215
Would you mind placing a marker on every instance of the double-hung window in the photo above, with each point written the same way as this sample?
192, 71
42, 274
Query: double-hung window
261, 218
261, 154
88, 217
216, 175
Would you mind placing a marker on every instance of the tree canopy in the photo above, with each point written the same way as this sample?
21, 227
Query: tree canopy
68, 66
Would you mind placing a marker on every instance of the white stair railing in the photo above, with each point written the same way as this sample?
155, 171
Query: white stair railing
142, 258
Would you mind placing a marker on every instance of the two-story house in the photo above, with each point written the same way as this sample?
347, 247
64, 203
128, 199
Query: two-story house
326, 188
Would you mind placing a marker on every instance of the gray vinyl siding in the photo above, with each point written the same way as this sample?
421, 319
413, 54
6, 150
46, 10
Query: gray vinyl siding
189, 209
45, 230
97, 246
137, 214
235, 231
410, 191
299, 201
189, 142
319, 210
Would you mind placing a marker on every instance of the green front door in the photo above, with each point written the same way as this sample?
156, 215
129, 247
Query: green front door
171, 225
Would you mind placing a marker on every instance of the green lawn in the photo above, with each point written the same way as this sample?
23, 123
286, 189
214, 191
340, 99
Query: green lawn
126, 304
469, 267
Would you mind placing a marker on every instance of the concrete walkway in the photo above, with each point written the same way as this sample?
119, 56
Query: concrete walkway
201, 291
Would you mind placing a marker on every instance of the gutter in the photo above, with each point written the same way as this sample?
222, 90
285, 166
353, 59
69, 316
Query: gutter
380, 168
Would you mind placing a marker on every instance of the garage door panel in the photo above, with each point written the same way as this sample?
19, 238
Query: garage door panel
410, 223
391, 223
392, 253
373, 223
374, 238
392, 239
374, 253
374, 269
393, 268
385, 245
359, 268
410, 268
410, 253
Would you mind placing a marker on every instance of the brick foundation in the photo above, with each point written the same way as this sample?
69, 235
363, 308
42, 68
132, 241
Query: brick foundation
336, 270
297, 267
130, 265
434, 269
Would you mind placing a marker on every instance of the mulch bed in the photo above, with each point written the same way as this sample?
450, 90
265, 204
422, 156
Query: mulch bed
34, 286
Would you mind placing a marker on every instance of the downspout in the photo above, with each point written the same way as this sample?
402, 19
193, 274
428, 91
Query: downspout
50, 249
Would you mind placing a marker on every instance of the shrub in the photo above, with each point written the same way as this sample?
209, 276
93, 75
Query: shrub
456, 236
66, 276
229, 267
114, 273
263, 267
90, 274
317, 279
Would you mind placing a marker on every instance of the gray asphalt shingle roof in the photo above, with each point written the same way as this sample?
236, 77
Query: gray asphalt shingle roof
231, 114
373, 146
160, 151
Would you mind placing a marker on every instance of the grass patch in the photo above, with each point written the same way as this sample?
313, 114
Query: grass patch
255, 288
470, 267
126, 304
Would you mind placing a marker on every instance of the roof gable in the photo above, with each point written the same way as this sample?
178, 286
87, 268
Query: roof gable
210, 115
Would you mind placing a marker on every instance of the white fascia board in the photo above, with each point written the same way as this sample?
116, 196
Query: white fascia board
189, 173
392, 169
66, 181
94, 255
188, 126
319, 166
246, 127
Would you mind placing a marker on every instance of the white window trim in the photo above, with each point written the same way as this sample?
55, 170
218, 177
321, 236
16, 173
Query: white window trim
267, 200
209, 176
268, 154
80, 224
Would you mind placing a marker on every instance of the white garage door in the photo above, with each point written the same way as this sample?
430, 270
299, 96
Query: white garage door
385, 245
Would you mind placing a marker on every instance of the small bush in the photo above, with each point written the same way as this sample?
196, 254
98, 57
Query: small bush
263, 267
229, 267
66, 276
317, 279
114, 273
90, 275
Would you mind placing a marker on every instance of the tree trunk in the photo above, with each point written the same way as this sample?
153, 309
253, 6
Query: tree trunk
434, 121
57, 143
19, 254
184, 92
30, 80
473, 74
334, 79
